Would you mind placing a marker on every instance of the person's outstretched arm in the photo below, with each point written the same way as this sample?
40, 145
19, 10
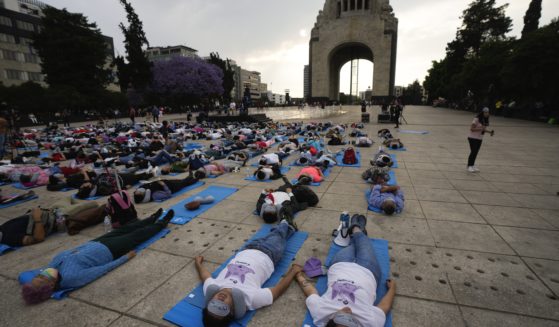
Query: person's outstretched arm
307, 287
203, 272
386, 302
284, 283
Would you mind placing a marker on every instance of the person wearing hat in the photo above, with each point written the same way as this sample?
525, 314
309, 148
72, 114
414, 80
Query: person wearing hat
238, 287
352, 282
477, 130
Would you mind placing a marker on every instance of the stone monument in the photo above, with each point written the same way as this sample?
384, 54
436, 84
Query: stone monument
347, 30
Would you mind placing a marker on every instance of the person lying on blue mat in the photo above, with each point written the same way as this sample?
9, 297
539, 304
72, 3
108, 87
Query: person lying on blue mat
268, 172
37, 224
80, 266
161, 190
286, 201
271, 159
389, 199
352, 282
238, 287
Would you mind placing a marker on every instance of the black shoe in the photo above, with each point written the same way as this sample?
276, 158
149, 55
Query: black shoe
156, 215
286, 181
167, 219
290, 221
358, 221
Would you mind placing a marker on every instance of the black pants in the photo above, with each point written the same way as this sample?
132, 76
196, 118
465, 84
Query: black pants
397, 119
475, 145
126, 238
177, 185
133, 179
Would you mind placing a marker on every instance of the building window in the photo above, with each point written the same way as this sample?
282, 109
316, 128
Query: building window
366, 4
35, 77
345, 5
9, 55
339, 10
6, 21
352, 5
14, 74
359, 4
6, 38
31, 58
26, 26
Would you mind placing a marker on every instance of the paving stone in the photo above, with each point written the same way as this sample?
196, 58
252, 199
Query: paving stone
518, 188
531, 242
125, 321
466, 185
50, 313
229, 211
168, 294
421, 313
193, 238
547, 271
228, 245
462, 175
316, 245
122, 288
357, 189
461, 212
551, 216
510, 216
430, 174
467, 236
412, 209
422, 166
491, 198
283, 312
508, 178
332, 202
433, 194
498, 282
537, 201
432, 183
397, 229
485, 318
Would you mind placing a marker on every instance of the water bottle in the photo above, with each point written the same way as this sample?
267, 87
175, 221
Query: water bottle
107, 224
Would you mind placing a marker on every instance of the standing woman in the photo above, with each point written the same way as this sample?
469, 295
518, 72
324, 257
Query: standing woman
477, 130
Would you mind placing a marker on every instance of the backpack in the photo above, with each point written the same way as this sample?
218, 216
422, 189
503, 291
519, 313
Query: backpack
121, 209
350, 158
372, 174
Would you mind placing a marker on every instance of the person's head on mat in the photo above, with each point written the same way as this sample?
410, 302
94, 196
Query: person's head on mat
269, 213
389, 207
343, 318
260, 175
262, 161
304, 180
41, 287
303, 161
200, 173
223, 306
142, 195
85, 191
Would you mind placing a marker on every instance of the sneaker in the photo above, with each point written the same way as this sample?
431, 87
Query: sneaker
359, 221
289, 220
476, 169
157, 214
167, 218
471, 169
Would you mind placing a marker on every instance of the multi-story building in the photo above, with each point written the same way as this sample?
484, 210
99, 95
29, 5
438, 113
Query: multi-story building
306, 82
166, 53
245, 78
19, 62
398, 91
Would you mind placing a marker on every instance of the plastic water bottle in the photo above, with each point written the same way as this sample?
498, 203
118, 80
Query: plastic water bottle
107, 224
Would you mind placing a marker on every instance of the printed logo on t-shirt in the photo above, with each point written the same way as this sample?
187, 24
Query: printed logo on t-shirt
344, 291
238, 270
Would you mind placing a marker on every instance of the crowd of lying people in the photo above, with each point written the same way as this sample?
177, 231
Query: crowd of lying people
99, 161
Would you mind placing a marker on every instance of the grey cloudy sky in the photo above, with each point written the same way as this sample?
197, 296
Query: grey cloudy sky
272, 36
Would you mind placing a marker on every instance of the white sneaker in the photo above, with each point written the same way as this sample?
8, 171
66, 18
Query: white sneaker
156, 171
476, 169
471, 169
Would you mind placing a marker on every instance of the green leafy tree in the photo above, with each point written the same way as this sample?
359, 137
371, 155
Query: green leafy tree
413, 93
72, 51
532, 17
122, 73
138, 68
228, 74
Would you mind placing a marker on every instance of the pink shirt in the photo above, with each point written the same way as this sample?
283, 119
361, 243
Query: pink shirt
313, 172
476, 134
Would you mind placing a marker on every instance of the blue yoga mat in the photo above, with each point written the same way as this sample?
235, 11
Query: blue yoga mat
44, 155
7, 205
27, 276
184, 190
19, 186
6, 248
183, 216
404, 131
370, 207
392, 181
340, 157
394, 161
383, 258
188, 312
400, 149
193, 146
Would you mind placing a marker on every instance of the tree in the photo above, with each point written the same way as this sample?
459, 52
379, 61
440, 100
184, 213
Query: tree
122, 73
413, 94
138, 68
183, 80
228, 74
532, 17
72, 51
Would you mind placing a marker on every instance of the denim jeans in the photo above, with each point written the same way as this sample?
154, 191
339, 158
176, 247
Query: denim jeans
161, 158
361, 252
274, 243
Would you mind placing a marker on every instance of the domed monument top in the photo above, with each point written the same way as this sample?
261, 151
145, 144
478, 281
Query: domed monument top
347, 30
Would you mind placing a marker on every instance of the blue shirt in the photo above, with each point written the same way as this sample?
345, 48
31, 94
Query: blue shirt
376, 199
84, 264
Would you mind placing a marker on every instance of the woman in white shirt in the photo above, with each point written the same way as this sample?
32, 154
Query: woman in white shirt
477, 130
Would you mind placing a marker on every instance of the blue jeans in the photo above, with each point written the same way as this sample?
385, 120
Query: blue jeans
274, 243
361, 252
161, 158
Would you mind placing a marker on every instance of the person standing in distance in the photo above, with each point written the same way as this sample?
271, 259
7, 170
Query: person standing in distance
477, 130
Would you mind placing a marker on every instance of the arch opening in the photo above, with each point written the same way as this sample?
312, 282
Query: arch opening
344, 54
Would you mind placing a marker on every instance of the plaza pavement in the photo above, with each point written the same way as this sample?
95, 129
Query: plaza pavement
468, 250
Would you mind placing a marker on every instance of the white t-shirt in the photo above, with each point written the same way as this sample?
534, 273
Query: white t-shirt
349, 285
248, 271
279, 197
271, 158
